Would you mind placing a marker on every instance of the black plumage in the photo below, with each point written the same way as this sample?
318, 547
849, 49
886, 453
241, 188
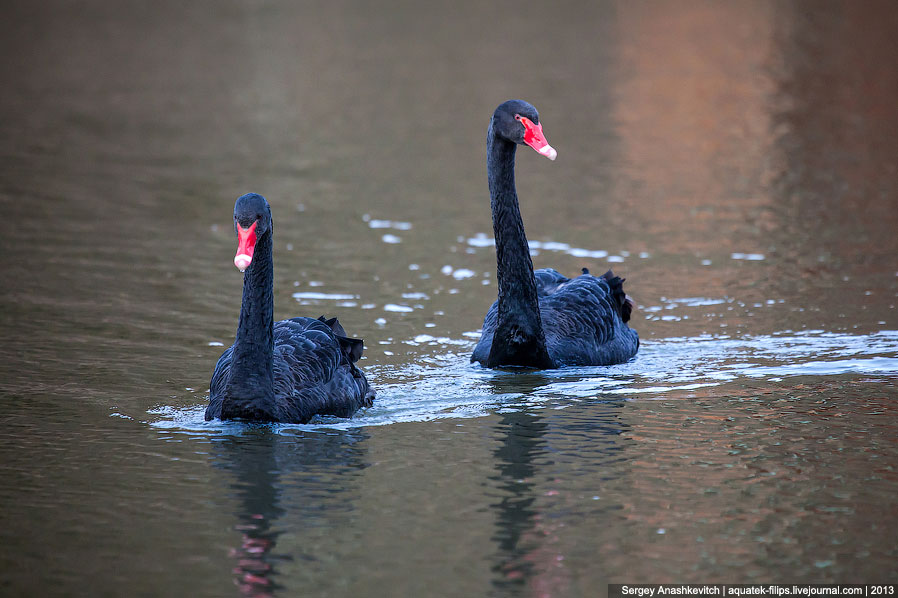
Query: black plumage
286, 371
542, 319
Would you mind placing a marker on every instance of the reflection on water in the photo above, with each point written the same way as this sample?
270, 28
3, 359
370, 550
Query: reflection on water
265, 466
519, 445
531, 516
257, 479
734, 161
516, 515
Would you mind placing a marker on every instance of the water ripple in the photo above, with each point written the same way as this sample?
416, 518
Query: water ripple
444, 385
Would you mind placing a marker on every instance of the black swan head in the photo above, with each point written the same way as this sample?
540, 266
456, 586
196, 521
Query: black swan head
518, 122
252, 221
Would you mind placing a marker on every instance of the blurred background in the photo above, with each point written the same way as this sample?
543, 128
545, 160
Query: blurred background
736, 162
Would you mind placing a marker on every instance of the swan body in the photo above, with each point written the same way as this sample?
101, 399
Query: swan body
542, 319
579, 321
286, 371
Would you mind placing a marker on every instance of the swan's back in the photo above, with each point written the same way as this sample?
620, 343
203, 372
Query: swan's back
584, 320
314, 372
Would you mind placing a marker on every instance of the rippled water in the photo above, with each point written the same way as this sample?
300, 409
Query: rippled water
443, 384
734, 161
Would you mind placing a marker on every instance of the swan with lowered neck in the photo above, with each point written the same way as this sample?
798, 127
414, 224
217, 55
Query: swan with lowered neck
286, 371
542, 319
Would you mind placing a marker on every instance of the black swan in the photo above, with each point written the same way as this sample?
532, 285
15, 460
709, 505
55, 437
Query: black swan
287, 371
542, 319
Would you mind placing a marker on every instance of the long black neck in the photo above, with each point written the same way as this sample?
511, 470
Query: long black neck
251, 383
519, 338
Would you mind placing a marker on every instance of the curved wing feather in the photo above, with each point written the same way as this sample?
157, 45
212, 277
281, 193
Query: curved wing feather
314, 372
583, 318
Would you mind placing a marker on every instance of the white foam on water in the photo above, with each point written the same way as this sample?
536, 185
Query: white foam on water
393, 307
316, 296
439, 382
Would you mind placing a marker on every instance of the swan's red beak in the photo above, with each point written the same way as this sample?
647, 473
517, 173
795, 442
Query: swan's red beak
246, 244
533, 136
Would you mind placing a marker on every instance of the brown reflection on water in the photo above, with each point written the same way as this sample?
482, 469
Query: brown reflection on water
837, 138
686, 130
764, 129
693, 124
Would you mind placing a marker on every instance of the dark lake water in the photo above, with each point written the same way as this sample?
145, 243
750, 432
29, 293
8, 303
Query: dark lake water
736, 162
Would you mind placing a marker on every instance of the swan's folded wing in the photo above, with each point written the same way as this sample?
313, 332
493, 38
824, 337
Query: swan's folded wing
620, 300
353, 347
584, 323
482, 350
314, 371
548, 281
217, 384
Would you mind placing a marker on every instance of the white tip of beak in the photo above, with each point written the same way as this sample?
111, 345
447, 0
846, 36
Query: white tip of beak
242, 261
548, 151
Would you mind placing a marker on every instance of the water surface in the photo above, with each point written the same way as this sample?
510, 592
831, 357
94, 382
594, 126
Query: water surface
735, 162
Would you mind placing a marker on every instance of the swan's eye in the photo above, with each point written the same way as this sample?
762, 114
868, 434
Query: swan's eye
517, 117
